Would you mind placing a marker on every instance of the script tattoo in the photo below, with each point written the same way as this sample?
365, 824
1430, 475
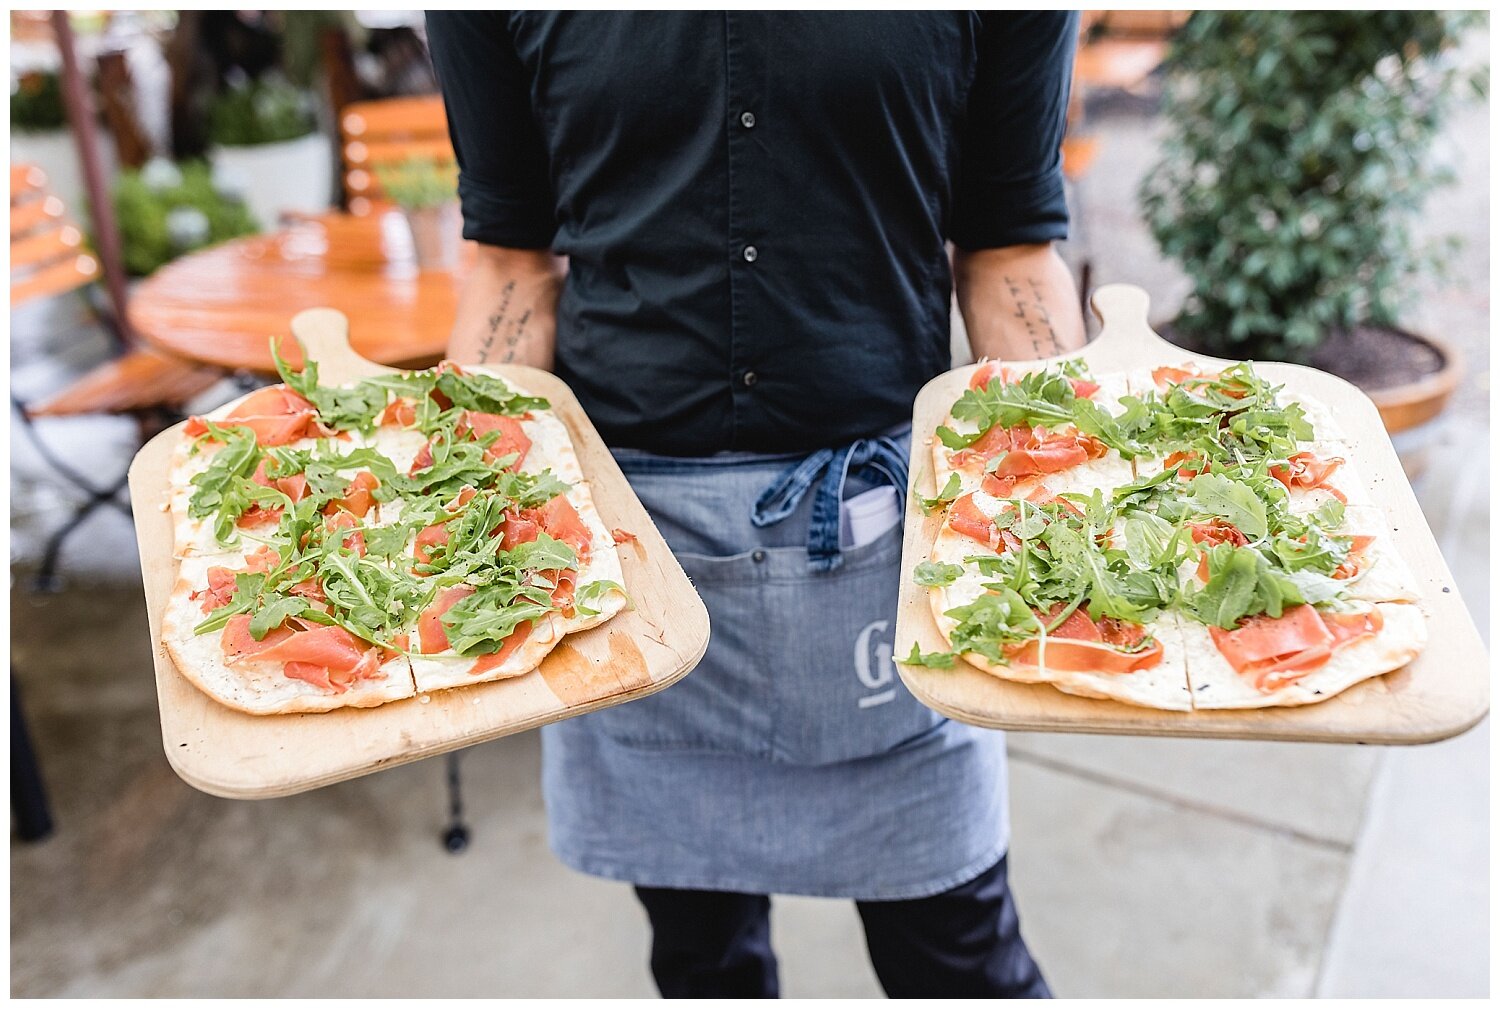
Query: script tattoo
510, 333
1031, 312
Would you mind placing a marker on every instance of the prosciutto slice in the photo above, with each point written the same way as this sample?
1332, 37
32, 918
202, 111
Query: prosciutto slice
276, 414
329, 657
1276, 651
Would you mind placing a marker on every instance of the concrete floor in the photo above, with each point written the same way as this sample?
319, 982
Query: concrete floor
1142, 867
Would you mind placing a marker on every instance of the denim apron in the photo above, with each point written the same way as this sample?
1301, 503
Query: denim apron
792, 759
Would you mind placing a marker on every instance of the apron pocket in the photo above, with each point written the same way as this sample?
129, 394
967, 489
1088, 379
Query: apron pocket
828, 645
723, 705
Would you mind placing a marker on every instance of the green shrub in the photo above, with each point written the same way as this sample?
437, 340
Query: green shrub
36, 103
164, 210
265, 111
418, 183
1296, 159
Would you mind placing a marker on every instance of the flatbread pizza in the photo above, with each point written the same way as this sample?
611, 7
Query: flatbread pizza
1172, 538
350, 546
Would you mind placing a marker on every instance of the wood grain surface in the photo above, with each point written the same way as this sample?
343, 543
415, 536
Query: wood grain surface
1445, 691
643, 650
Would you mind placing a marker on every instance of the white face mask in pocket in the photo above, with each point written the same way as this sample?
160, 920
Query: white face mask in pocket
865, 517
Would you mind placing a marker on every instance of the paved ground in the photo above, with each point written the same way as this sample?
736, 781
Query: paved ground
1143, 867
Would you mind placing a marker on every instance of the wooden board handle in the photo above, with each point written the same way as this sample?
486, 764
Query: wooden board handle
1123, 305
324, 336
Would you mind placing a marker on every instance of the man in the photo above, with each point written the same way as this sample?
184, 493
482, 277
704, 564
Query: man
754, 209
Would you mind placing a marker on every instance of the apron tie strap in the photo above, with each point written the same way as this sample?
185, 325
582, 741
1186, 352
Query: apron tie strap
881, 456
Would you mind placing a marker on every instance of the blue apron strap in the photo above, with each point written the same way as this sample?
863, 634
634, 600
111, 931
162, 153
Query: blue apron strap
829, 468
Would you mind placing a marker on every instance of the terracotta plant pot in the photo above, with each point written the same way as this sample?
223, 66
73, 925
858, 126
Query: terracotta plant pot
1416, 402
436, 235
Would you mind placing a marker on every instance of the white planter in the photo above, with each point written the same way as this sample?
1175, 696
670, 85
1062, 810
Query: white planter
296, 175
56, 153
436, 236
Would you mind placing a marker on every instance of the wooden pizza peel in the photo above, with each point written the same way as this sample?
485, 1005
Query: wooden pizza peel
1441, 693
645, 649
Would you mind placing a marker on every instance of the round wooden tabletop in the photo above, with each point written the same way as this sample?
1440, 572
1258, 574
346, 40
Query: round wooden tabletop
221, 306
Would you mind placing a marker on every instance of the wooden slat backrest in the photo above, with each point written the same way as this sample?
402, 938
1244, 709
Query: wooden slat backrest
47, 253
34, 214
387, 130
25, 179
57, 278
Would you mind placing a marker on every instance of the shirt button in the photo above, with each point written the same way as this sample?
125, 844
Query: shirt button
750, 254
750, 378
758, 557
747, 120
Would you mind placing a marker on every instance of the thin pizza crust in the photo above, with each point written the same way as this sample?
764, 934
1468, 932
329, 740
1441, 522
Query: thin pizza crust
1216, 685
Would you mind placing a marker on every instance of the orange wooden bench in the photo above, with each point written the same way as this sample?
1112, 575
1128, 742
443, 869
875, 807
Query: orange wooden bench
48, 258
387, 130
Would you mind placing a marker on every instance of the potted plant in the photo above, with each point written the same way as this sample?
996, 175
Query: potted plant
164, 210
1296, 159
39, 135
426, 190
266, 146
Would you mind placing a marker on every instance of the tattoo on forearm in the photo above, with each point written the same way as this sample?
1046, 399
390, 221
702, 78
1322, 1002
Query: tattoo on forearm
500, 323
1031, 312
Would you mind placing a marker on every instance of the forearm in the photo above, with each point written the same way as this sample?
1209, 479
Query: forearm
1018, 303
507, 310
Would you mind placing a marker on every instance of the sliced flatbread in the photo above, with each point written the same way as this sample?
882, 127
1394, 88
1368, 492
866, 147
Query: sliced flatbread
259, 688
1163, 685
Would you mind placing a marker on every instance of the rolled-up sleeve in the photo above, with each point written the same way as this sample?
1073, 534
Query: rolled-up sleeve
1009, 189
503, 181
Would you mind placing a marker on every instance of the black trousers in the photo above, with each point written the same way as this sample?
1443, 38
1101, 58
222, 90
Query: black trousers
964, 941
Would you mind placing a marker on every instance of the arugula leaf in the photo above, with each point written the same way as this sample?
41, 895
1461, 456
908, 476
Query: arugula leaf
1218, 495
353, 408
530, 490
948, 493
994, 620
931, 574
486, 394
1242, 583
593, 591
542, 554
931, 660
478, 624
276, 613
455, 465
1146, 539
236, 461
952, 439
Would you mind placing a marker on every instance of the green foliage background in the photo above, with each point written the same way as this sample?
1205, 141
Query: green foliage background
263, 111
141, 213
1297, 157
419, 183
36, 103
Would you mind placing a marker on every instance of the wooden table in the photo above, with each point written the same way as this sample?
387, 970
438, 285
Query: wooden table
220, 306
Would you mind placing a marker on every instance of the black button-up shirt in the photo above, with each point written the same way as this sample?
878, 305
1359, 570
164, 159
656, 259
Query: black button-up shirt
754, 205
